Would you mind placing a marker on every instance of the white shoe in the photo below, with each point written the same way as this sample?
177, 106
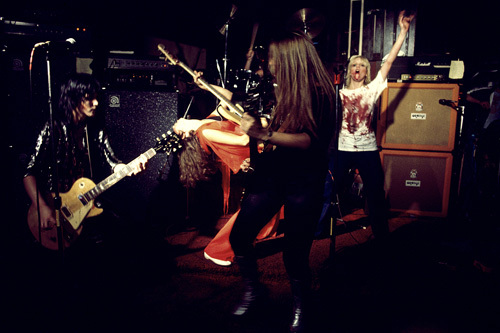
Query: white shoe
217, 261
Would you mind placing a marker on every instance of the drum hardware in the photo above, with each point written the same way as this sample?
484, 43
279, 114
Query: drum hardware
308, 20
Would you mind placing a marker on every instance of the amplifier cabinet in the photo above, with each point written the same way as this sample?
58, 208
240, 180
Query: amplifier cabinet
134, 119
417, 182
412, 118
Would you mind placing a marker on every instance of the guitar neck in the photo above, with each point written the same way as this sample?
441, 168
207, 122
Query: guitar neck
209, 87
116, 177
234, 110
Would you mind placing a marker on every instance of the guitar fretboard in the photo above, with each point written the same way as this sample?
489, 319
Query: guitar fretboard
115, 177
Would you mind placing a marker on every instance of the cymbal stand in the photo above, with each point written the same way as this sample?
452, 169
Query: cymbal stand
225, 59
225, 31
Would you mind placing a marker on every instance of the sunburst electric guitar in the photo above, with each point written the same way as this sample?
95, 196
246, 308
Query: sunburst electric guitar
78, 203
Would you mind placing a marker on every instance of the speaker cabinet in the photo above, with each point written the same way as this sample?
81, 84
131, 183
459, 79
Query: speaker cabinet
134, 119
417, 182
411, 117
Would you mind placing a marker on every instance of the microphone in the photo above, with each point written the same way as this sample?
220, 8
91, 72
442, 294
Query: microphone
69, 41
447, 102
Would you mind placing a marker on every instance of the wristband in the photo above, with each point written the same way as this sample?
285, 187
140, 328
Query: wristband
269, 135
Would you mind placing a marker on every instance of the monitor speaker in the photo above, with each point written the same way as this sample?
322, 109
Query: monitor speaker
412, 118
417, 182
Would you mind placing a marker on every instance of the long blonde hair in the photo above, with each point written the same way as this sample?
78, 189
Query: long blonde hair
302, 83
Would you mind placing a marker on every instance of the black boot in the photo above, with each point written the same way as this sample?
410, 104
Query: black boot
300, 293
252, 290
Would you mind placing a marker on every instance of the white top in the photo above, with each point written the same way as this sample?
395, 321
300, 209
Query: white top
356, 133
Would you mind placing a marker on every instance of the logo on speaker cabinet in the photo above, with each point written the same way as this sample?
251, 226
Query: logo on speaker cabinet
412, 183
114, 101
413, 173
17, 65
419, 107
418, 116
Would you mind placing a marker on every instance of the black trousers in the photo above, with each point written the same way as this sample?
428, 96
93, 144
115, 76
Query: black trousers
370, 168
301, 195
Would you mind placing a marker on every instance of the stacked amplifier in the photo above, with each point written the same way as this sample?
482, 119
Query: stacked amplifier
417, 136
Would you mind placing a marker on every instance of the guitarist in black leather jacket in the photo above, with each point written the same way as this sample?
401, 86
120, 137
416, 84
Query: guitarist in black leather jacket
72, 147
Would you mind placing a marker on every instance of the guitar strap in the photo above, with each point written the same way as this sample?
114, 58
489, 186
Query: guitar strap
88, 151
220, 114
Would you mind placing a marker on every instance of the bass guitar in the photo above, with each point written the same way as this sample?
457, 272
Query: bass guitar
233, 112
78, 203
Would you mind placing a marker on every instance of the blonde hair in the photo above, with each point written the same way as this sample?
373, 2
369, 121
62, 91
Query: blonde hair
365, 61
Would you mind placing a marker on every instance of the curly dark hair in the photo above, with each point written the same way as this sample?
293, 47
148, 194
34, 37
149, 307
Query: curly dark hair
195, 164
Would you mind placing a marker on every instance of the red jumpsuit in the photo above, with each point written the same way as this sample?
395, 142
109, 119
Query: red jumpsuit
231, 158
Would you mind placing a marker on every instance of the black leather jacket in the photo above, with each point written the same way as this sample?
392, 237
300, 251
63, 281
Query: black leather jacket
74, 157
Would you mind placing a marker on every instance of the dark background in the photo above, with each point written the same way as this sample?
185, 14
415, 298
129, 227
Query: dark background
429, 283
463, 29
446, 28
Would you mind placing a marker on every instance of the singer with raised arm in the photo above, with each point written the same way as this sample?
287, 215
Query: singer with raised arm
357, 145
72, 147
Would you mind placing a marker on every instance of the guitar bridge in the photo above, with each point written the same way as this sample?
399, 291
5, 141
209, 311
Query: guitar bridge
66, 212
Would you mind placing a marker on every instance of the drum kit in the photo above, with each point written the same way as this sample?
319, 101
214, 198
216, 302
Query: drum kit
256, 82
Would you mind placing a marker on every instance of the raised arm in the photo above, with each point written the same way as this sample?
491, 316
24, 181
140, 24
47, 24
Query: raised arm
404, 24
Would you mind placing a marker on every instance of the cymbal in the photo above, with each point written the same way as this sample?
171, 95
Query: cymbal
308, 20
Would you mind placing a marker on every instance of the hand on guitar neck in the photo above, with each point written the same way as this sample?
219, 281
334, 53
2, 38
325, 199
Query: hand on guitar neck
134, 167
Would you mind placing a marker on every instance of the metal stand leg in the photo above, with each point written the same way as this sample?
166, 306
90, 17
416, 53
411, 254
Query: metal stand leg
334, 218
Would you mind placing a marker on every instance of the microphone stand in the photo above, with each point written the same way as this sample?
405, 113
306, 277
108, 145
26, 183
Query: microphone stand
334, 197
57, 198
460, 151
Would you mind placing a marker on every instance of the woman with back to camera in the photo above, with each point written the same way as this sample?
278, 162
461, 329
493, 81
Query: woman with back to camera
290, 171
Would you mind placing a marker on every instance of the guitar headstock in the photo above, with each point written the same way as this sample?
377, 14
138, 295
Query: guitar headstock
168, 143
169, 56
